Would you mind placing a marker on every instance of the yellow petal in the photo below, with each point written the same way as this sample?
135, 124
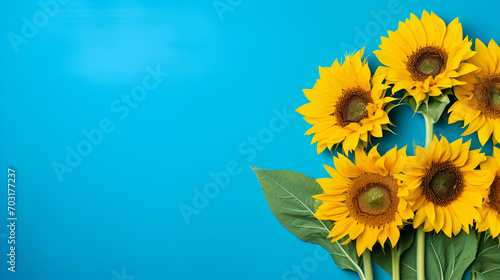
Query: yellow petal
429, 210
393, 234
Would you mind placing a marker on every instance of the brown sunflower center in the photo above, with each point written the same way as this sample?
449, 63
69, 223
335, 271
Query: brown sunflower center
425, 62
372, 199
494, 195
351, 106
487, 95
443, 183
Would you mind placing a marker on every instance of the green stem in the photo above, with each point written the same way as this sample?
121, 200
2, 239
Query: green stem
395, 262
429, 134
429, 130
367, 263
420, 253
480, 237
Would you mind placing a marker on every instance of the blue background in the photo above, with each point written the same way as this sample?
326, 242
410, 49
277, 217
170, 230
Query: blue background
117, 214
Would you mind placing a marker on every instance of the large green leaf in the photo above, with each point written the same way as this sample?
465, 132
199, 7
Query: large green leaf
289, 195
487, 263
445, 258
448, 258
383, 255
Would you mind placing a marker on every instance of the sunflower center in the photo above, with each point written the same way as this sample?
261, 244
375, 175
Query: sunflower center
351, 106
443, 183
425, 62
495, 95
429, 64
355, 109
494, 195
373, 199
487, 95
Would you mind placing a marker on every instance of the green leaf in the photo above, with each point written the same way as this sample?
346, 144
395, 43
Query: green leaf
383, 255
408, 264
386, 127
435, 107
445, 258
432, 105
487, 264
448, 258
389, 106
289, 195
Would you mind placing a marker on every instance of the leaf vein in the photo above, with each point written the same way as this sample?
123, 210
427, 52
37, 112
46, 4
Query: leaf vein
486, 250
410, 267
437, 257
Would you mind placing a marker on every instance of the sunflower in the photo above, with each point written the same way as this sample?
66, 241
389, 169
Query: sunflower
363, 200
478, 102
346, 105
425, 56
443, 187
490, 212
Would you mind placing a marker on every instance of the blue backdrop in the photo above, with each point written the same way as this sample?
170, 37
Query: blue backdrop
131, 126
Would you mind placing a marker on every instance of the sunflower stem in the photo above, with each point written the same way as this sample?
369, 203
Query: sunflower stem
472, 271
429, 134
367, 264
480, 238
420, 253
395, 262
429, 130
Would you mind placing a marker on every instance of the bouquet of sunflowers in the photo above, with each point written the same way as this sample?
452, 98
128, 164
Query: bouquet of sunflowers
431, 215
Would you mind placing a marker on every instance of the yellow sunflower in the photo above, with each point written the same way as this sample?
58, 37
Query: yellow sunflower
478, 102
363, 200
490, 212
346, 105
425, 56
443, 187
